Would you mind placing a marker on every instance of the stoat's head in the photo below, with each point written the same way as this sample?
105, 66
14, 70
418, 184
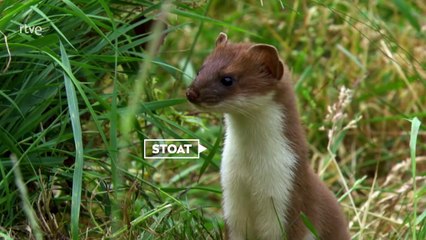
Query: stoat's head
236, 77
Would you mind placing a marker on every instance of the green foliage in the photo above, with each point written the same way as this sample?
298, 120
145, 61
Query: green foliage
59, 117
77, 102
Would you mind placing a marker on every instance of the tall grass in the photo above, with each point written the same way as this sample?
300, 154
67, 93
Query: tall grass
78, 101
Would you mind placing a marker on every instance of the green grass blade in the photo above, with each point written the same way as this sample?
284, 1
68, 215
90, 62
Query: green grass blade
209, 159
197, 35
115, 174
415, 126
408, 11
28, 209
78, 140
79, 13
16, 9
12, 102
421, 218
53, 25
153, 106
193, 15
351, 56
308, 223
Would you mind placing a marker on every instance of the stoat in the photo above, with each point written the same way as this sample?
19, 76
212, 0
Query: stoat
266, 179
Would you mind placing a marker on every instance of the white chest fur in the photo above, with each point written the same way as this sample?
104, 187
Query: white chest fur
257, 173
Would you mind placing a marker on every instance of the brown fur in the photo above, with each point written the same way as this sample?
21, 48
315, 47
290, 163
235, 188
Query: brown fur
258, 70
310, 194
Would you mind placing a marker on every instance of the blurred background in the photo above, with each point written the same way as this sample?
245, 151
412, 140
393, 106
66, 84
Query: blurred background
79, 96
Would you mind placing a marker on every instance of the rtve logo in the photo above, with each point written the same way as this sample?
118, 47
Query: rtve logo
172, 148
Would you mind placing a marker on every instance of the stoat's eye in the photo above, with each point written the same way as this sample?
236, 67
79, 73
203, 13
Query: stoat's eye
227, 81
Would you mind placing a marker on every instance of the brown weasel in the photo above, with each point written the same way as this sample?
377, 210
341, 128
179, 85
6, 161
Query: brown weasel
266, 179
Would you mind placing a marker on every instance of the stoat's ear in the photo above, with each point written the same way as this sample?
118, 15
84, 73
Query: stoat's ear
222, 39
267, 55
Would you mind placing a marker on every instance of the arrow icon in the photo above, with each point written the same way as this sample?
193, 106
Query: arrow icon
201, 148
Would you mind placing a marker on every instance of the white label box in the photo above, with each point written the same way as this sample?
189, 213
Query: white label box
172, 148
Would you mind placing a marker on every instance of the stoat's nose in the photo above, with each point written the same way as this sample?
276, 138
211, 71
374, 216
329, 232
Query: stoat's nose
192, 95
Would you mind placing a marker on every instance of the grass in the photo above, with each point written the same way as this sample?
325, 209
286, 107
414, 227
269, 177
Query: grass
78, 101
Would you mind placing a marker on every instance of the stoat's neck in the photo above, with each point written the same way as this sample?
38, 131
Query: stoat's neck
260, 134
263, 124
274, 120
